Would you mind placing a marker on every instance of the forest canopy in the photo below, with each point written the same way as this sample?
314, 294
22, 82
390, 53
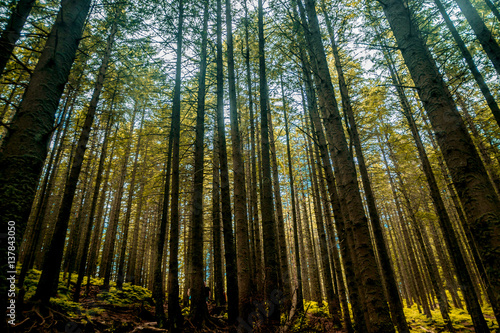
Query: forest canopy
241, 166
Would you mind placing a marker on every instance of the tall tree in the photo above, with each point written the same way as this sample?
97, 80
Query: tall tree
229, 246
376, 305
476, 193
93, 205
174, 310
24, 149
395, 304
240, 196
440, 208
299, 305
267, 207
199, 310
52, 264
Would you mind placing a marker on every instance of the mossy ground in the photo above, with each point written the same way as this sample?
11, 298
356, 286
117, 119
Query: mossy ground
131, 309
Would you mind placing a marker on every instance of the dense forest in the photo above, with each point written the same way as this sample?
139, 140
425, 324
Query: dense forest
250, 166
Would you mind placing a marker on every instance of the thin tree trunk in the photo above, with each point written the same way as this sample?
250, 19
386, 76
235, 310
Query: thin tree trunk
259, 279
331, 297
488, 162
199, 310
470, 62
300, 302
12, 31
433, 273
240, 197
420, 289
111, 231
174, 310
493, 8
483, 34
229, 246
283, 272
216, 225
96, 242
132, 275
121, 263
267, 202
93, 205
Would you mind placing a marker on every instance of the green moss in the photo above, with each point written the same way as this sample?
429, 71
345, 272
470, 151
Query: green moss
130, 294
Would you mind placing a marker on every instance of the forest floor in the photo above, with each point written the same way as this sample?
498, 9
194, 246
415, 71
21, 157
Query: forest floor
132, 310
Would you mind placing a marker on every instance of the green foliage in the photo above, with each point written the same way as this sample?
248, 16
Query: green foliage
316, 310
460, 319
130, 294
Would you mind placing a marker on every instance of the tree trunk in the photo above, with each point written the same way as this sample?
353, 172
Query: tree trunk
257, 251
444, 219
299, 306
470, 62
216, 225
483, 34
132, 275
240, 198
395, 304
283, 272
199, 310
93, 205
121, 263
174, 310
12, 31
229, 246
114, 219
25, 147
331, 298
50, 271
345, 170
419, 288
267, 202
97, 234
